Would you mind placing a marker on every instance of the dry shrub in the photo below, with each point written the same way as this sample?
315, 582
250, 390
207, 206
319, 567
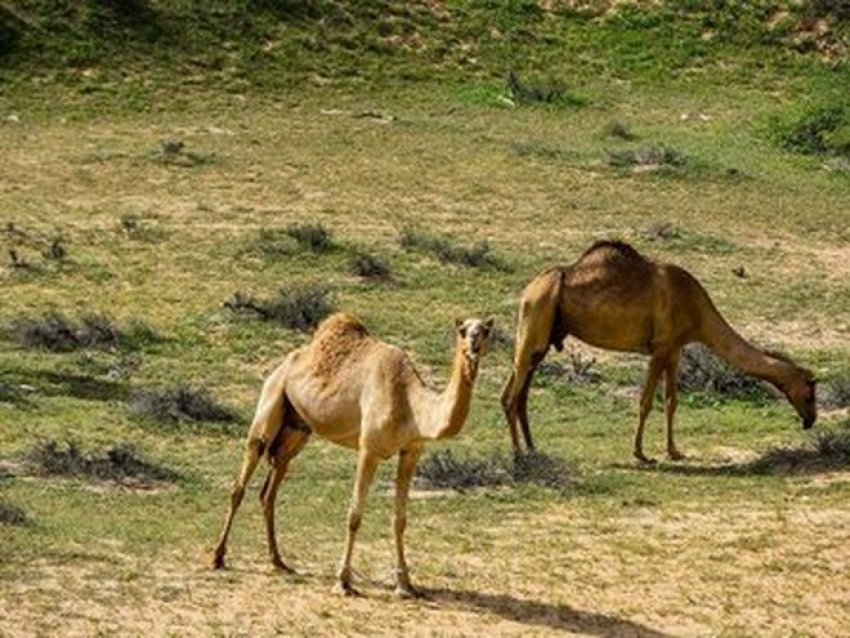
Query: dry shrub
314, 237
11, 514
368, 266
476, 256
121, 461
443, 470
179, 404
299, 308
56, 333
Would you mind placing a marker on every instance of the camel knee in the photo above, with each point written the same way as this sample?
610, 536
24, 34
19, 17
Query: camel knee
354, 518
399, 524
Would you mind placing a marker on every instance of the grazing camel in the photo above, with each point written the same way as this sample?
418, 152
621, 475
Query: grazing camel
614, 298
364, 394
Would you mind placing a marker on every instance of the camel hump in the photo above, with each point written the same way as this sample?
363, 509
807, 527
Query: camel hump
341, 324
340, 340
612, 247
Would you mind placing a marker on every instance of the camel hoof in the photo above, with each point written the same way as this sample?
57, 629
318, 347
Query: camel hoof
280, 566
675, 455
345, 589
218, 561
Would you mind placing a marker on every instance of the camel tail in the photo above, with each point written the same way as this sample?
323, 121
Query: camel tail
559, 327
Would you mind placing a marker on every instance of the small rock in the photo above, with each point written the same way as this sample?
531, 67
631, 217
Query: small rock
13, 119
739, 271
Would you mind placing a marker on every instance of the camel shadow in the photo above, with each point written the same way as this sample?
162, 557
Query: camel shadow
543, 614
799, 461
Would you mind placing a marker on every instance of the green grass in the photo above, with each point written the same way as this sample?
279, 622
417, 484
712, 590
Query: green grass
166, 236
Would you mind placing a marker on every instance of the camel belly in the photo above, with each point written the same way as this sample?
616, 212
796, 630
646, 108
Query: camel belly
612, 330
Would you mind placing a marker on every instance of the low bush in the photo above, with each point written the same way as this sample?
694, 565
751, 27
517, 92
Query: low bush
476, 256
368, 266
314, 237
51, 458
444, 470
11, 514
299, 308
56, 333
179, 404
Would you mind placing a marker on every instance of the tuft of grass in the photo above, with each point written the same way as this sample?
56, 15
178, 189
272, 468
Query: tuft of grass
11, 514
444, 470
520, 93
299, 308
823, 129
313, 237
121, 461
476, 256
618, 130
56, 333
179, 404
837, 392
579, 368
828, 448
647, 159
273, 243
368, 266
702, 372
174, 153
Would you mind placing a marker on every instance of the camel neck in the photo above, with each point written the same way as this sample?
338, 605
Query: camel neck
725, 342
444, 414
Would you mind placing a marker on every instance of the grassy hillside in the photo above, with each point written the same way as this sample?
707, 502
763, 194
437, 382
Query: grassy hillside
174, 172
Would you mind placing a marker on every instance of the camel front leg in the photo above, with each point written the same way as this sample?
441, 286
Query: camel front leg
293, 442
367, 463
671, 378
407, 460
656, 367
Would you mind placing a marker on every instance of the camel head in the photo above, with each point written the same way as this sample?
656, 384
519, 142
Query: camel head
473, 337
800, 391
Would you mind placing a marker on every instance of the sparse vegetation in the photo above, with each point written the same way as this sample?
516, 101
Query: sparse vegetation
826, 449
118, 463
368, 266
476, 256
56, 333
11, 514
836, 391
444, 470
647, 159
313, 237
178, 404
297, 308
816, 130
619, 130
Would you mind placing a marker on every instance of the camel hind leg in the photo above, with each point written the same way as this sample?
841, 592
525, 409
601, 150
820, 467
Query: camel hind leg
287, 446
538, 327
264, 428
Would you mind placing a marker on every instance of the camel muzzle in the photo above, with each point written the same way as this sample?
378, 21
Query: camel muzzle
808, 422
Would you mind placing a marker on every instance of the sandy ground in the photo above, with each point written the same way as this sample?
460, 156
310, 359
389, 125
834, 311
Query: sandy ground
734, 571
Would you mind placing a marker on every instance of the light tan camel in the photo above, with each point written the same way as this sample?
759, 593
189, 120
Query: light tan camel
364, 394
614, 298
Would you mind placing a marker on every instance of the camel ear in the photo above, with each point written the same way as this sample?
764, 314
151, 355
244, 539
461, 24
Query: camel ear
459, 327
489, 324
